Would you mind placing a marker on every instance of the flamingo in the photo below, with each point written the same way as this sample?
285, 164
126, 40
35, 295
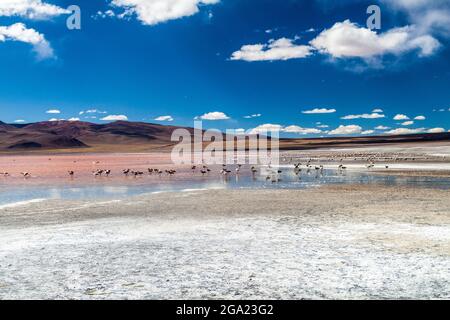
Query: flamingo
97, 173
171, 172
137, 173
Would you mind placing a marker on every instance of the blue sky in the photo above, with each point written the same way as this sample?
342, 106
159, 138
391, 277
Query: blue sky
308, 68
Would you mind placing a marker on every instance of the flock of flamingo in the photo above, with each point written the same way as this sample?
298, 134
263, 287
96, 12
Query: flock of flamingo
272, 174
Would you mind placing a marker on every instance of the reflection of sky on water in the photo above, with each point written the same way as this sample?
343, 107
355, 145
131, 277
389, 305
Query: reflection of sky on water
288, 180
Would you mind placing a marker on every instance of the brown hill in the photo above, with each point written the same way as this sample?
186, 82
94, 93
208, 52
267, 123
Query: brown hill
4, 126
58, 135
123, 136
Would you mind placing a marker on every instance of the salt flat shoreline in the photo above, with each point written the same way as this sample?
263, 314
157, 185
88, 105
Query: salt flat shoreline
331, 199
332, 242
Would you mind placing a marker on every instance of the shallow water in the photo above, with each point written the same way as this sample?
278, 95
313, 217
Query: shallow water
105, 188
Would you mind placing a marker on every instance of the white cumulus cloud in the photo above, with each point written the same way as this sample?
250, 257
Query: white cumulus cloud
348, 40
216, 115
420, 118
400, 117
407, 123
281, 49
319, 111
346, 130
19, 32
31, 9
427, 15
164, 118
264, 128
300, 130
436, 130
152, 12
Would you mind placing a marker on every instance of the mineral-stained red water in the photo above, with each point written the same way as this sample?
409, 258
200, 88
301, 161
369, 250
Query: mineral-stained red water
53, 169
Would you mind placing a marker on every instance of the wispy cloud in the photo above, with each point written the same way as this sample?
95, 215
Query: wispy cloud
363, 116
256, 115
400, 131
114, 117
319, 111
92, 111
53, 111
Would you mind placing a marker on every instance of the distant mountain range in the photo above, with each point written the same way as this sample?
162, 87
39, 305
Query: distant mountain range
124, 136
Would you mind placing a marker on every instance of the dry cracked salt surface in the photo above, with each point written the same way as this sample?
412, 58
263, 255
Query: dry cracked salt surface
337, 242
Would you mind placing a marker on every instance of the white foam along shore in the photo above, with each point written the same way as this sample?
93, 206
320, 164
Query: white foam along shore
438, 150
382, 166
